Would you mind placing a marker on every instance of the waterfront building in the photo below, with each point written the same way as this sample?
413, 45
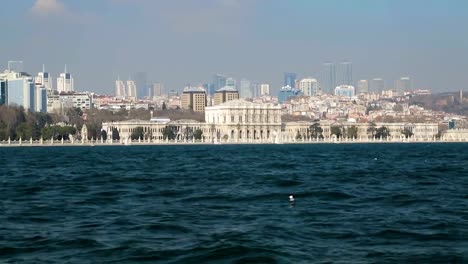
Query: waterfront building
131, 90
241, 120
309, 86
194, 99
65, 82
328, 78
225, 94
290, 79
264, 89
345, 73
344, 91
363, 87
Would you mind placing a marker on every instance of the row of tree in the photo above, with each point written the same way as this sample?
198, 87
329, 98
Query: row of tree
168, 132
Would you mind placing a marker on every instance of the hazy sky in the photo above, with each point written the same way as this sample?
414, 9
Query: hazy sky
187, 41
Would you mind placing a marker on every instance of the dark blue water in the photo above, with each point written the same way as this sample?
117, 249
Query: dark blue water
375, 203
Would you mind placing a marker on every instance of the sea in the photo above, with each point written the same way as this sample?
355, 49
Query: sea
353, 203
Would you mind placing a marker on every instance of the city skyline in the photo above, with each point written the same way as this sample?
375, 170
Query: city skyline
430, 49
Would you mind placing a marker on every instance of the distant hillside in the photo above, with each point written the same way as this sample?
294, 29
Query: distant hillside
447, 102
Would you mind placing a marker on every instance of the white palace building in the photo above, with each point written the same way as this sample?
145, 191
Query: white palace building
241, 121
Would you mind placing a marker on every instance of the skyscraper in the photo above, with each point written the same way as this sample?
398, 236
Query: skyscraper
264, 89
290, 79
329, 78
141, 84
345, 73
44, 80
363, 86
131, 90
309, 86
231, 82
157, 89
120, 88
377, 85
65, 82
403, 85
255, 86
245, 89
219, 81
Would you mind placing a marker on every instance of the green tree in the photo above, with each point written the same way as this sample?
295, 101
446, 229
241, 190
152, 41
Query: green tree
352, 132
316, 131
23, 131
298, 136
164, 107
137, 133
372, 129
169, 133
382, 132
198, 134
407, 132
103, 135
115, 134
337, 131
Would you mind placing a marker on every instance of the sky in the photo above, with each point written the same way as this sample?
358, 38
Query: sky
179, 42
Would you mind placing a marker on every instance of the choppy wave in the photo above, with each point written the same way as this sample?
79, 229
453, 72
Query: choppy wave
376, 203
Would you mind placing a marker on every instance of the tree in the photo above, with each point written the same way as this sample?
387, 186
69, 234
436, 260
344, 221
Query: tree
169, 133
337, 131
137, 133
198, 134
382, 132
372, 129
23, 131
407, 132
352, 132
164, 107
115, 134
316, 131
103, 135
298, 136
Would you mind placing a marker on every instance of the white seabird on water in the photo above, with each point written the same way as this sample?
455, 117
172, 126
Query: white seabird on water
291, 198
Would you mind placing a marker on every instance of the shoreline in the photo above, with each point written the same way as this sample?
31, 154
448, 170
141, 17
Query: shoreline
116, 144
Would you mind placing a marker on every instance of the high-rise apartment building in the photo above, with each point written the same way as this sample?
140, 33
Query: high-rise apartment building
363, 87
131, 90
377, 85
141, 83
157, 89
309, 86
43, 79
120, 88
194, 99
65, 83
290, 79
328, 78
264, 89
245, 89
219, 81
345, 91
345, 73
404, 84
225, 94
